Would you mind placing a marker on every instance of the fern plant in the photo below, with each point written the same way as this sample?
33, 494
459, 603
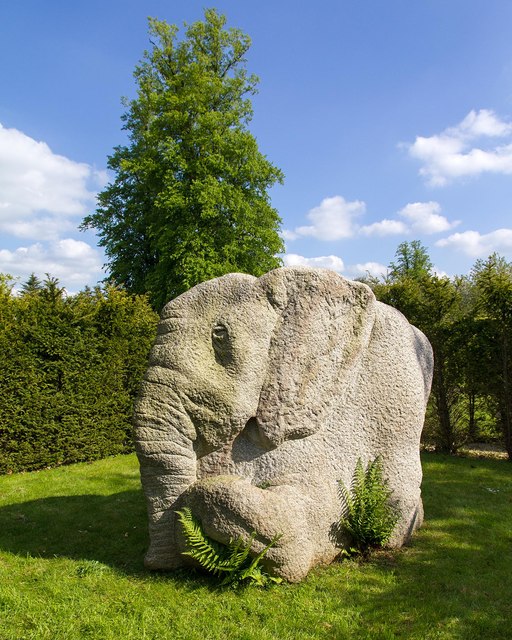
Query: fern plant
232, 562
369, 517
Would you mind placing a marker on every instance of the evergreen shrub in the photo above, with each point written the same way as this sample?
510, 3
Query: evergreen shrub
70, 367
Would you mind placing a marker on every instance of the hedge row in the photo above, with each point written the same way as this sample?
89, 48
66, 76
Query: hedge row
70, 367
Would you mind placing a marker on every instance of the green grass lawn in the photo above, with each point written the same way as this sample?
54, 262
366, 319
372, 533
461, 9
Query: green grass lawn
72, 542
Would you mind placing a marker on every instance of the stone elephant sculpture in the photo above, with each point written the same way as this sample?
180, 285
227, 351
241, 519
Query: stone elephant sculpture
261, 394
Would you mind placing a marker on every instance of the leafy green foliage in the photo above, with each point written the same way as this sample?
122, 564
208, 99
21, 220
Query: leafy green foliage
189, 201
233, 561
430, 303
493, 283
369, 518
442, 308
468, 321
412, 261
71, 366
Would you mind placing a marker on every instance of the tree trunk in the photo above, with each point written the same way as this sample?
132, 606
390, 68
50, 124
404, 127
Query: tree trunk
447, 440
472, 434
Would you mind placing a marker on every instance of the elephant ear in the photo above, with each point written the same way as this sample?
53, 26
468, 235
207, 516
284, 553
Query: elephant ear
320, 337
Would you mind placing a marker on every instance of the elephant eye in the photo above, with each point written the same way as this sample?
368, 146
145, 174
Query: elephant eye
220, 334
221, 343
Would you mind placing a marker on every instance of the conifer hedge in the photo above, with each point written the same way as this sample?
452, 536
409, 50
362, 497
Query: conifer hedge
70, 367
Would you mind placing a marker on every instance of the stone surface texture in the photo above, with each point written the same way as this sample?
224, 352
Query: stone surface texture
261, 394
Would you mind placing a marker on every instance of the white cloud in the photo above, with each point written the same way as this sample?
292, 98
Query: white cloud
478, 245
481, 123
42, 197
74, 262
452, 153
33, 179
333, 219
425, 217
384, 228
286, 234
41, 228
419, 217
362, 269
440, 273
321, 262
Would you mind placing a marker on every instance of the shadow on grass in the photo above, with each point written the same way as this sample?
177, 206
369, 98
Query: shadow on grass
452, 578
110, 529
448, 579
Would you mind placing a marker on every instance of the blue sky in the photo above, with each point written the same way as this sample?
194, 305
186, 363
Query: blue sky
392, 121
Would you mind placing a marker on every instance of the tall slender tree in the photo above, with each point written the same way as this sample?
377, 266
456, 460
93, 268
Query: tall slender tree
190, 199
412, 261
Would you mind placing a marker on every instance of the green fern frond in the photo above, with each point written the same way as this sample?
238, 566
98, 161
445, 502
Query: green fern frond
211, 555
232, 560
368, 517
253, 571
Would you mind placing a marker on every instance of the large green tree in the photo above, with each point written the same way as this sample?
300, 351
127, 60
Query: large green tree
189, 200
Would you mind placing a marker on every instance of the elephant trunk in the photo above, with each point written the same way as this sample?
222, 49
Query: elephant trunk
164, 437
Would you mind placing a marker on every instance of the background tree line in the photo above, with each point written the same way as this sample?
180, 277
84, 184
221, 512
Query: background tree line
468, 320
70, 367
